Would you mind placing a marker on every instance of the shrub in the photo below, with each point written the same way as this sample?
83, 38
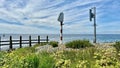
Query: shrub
41, 44
53, 43
117, 45
78, 44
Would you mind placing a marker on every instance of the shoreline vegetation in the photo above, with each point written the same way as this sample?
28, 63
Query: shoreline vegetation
74, 54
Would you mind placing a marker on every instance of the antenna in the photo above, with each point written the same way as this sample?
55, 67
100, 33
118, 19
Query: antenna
93, 16
61, 19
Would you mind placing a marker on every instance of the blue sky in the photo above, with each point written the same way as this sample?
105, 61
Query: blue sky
40, 16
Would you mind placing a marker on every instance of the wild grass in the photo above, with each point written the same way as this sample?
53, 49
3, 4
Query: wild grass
117, 45
40, 44
78, 44
26, 58
53, 43
88, 57
76, 56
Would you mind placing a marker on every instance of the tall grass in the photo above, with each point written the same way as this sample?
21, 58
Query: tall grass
89, 57
117, 45
46, 60
40, 44
53, 43
78, 44
26, 58
81, 55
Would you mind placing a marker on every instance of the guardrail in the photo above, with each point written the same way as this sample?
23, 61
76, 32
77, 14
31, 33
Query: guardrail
20, 41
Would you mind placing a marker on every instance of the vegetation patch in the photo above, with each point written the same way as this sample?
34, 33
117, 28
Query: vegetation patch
117, 45
90, 57
78, 44
53, 43
40, 44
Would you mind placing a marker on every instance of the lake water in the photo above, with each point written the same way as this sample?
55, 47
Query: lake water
66, 37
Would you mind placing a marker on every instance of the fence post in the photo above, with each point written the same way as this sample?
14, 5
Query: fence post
10, 42
30, 41
0, 43
47, 39
38, 39
20, 41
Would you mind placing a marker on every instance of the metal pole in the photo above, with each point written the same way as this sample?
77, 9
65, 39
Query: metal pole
94, 25
61, 33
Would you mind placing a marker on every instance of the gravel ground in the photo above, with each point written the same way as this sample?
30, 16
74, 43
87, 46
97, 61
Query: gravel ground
104, 45
49, 48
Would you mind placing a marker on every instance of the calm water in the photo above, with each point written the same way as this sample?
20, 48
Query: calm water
67, 37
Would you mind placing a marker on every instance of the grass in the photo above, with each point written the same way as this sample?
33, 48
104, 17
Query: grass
117, 45
90, 57
53, 43
41, 44
75, 56
26, 58
78, 44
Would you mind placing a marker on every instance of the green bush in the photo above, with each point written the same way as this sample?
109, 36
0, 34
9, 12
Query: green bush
117, 45
40, 44
53, 43
78, 44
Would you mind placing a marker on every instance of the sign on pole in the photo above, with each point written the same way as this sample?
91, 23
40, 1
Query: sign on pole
61, 17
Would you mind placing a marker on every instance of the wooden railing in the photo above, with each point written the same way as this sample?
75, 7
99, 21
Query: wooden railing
20, 41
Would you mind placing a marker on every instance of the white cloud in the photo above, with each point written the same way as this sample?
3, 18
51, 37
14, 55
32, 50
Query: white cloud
11, 28
44, 13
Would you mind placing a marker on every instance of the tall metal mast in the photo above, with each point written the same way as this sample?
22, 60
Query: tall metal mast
93, 15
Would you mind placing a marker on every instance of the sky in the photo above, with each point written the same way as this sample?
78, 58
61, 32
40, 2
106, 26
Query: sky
40, 16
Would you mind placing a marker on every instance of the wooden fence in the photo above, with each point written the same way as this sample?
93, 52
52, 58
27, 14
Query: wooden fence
20, 41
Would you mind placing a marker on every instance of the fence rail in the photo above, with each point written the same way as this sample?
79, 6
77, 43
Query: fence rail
20, 41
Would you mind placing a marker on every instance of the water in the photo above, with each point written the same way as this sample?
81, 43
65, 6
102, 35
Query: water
100, 37
66, 37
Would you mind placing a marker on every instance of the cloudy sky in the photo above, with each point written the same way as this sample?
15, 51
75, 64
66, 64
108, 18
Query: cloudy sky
40, 16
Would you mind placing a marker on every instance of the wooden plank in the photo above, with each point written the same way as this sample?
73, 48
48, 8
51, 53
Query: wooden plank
5, 41
4, 44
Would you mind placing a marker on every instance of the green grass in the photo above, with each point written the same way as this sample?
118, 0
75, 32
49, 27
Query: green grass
90, 57
41, 44
26, 58
117, 45
46, 60
75, 56
78, 44
53, 43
